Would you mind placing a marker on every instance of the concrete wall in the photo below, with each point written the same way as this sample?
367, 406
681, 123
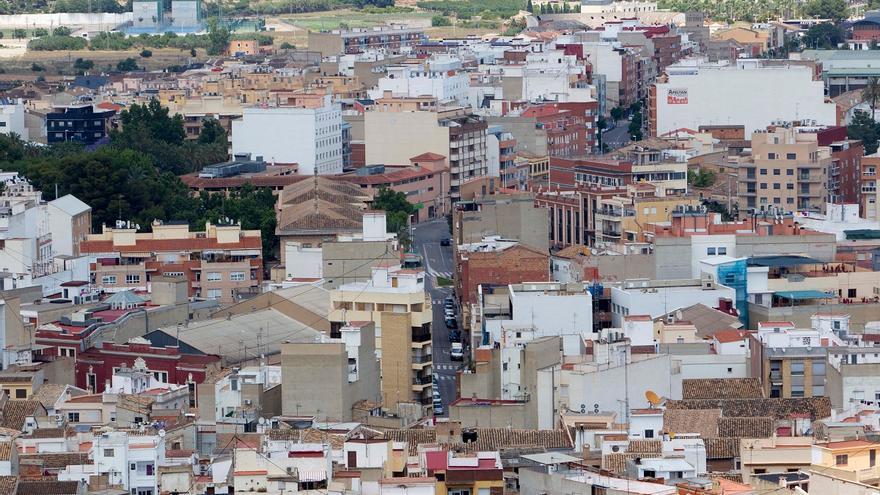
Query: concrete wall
494, 416
713, 366
396, 359
511, 217
346, 262
528, 137
414, 133
91, 21
840, 386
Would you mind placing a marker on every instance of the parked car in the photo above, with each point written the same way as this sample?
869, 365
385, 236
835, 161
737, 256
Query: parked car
451, 323
455, 336
457, 351
446, 242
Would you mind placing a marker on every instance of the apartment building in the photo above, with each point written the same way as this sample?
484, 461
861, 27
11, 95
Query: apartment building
514, 216
788, 172
224, 262
347, 41
328, 377
394, 299
449, 131
621, 221
80, 124
425, 181
12, 118
306, 129
868, 187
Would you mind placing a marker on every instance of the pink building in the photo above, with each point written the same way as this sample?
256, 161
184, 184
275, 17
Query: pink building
425, 181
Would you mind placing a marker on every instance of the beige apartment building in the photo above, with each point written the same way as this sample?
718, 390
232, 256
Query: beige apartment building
421, 126
224, 262
395, 300
788, 170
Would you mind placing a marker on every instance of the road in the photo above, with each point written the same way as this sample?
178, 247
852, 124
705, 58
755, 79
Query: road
618, 136
437, 260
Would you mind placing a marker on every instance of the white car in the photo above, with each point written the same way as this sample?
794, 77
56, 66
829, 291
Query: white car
456, 353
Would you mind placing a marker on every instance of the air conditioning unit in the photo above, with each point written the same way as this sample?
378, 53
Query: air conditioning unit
247, 402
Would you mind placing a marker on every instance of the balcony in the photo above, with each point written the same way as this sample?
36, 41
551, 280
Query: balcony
421, 336
610, 233
420, 361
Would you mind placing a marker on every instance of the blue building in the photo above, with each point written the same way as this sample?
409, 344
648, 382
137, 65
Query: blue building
79, 124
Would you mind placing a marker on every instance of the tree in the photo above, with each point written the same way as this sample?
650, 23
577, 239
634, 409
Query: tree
61, 31
836, 10
635, 126
192, 52
40, 32
146, 53
287, 46
218, 38
19, 33
212, 132
530, 7
617, 113
601, 125
543, 9
825, 35
871, 93
565, 8
701, 178
83, 64
397, 212
865, 129
440, 20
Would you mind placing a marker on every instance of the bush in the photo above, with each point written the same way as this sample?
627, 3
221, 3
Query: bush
61, 31
53, 43
287, 46
440, 20
83, 64
19, 33
146, 53
37, 68
127, 65
40, 32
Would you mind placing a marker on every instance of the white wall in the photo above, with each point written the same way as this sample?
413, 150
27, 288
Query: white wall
12, 119
30, 21
606, 389
712, 366
700, 245
663, 300
753, 97
300, 262
309, 137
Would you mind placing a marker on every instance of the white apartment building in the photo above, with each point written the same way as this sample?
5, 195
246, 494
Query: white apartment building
12, 118
308, 136
741, 94
130, 460
416, 81
657, 297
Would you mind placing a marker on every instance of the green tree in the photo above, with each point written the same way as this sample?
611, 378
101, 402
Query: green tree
287, 46
127, 65
530, 7
40, 32
835, 10
865, 129
212, 132
83, 64
825, 35
146, 53
397, 212
565, 8
19, 33
871, 93
543, 8
617, 113
635, 126
218, 38
61, 31
701, 178
440, 20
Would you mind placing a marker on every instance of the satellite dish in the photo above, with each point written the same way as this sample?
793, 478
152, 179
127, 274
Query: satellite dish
262, 421
161, 433
653, 398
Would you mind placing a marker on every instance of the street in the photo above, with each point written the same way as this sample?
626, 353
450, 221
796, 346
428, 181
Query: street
437, 260
617, 136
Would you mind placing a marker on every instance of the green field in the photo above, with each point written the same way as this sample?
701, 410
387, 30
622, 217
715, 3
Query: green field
318, 21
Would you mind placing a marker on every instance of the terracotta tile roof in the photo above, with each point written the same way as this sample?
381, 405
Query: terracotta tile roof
721, 448
573, 251
413, 437
48, 487
721, 388
729, 335
321, 204
746, 427
644, 447
702, 421
616, 463
17, 411
48, 393
57, 460
391, 176
813, 407
309, 435
428, 156
179, 453
5, 451
7, 484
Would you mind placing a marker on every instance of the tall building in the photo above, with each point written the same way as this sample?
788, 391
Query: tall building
80, 124
395, 300
12, 118
788, 170
306, 130
451, 132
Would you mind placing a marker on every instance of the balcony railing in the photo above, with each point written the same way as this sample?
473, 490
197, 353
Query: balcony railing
421, 336
421, 380
421, 358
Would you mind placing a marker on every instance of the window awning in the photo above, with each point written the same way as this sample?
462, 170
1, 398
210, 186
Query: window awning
804, 294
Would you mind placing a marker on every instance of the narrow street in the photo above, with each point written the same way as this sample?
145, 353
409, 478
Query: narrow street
438, 261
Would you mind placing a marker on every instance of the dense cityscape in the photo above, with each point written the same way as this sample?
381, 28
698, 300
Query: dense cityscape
439, 247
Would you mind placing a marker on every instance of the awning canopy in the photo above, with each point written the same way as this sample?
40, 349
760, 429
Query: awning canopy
804, 294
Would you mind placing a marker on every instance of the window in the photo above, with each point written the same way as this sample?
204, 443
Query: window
108, 453
777, 171
851, 293
710, 251
108, 279
777, 186
763, 171
872, 457
132, 279
214, 277
67, 352
20, 393
791, 156
789, 171
763, 185
161, 376
236, 276
841, 460
818, 390
649, 433
818, 368
797, 368
722, 250
760, 471
215, 293
789, 186
73, 417
771, 156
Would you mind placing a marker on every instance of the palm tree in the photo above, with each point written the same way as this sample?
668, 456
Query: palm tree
872, 93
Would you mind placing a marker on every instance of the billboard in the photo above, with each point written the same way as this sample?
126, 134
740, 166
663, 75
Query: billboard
677, 96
